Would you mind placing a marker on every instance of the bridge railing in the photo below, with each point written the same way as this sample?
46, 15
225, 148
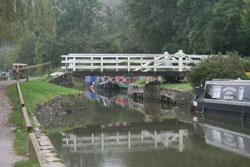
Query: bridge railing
131, 62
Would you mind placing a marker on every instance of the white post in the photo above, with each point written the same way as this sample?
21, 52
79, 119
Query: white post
180, 63
101, 64
102, 141
128, 63
141, 63
129, 140
66, 64
117, 63
74, 63
117, 137
155, 59
92, 65
181, 145
93, 138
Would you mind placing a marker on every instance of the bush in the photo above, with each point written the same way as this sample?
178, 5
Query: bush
217, 67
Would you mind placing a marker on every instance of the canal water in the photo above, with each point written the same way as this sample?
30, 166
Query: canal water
121, 132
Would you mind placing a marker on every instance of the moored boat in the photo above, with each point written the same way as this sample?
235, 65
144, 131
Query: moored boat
230, 97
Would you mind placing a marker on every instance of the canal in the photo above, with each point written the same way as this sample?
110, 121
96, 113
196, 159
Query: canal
118, 131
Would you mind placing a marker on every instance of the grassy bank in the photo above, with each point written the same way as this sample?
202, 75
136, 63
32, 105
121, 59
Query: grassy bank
34, 93
181, 85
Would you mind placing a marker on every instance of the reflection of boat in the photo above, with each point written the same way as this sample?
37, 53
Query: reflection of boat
227, 97
226, 134
108, 99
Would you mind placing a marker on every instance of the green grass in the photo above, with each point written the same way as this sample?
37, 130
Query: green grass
183, 86
34, 92
140, 82
27, 163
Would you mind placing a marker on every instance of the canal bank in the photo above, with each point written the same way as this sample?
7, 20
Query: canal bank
158, 92
34, 92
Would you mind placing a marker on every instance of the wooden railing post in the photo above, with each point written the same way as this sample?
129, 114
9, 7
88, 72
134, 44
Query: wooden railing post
49, 70
117, 63
27, 75
101, 63
128, 63
17, 75
66, 64
92, 65
74, 63
155, 60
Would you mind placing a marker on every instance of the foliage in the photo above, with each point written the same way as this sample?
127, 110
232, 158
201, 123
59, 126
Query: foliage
183, 86
217, 67
45, 29
140, 82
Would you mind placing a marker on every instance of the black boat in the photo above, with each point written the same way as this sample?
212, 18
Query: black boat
230, 97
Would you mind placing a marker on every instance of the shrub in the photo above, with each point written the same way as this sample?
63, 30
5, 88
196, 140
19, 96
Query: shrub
217, 67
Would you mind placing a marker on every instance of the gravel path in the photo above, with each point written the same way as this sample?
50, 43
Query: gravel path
7, 154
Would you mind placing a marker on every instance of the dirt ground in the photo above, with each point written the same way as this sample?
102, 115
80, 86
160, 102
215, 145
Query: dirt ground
7, 153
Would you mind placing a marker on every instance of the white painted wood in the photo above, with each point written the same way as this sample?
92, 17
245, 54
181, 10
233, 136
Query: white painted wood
132, 62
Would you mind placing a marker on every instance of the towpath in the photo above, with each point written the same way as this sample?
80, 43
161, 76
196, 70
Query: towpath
7, 153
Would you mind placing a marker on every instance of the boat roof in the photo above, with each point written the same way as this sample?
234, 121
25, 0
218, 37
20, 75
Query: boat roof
233, 82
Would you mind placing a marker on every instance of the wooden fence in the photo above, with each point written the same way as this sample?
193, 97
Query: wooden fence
33, 148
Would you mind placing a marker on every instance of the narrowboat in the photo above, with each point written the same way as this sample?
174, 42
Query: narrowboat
231, 97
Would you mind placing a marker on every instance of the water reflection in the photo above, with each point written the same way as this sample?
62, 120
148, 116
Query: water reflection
126, 132
227, 133
125, 142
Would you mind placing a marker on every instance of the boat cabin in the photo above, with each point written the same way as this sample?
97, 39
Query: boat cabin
228, 97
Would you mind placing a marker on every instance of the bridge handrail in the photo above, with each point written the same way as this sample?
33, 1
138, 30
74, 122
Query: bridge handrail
131, 62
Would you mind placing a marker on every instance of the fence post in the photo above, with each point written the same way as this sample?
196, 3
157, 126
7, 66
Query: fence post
17, 75
128, 63
49, 69
101, 64
66, 64
155, 59
74, 63
117, 63
27, 75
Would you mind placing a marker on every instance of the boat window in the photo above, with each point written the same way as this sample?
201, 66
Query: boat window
213, 92
240, 93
